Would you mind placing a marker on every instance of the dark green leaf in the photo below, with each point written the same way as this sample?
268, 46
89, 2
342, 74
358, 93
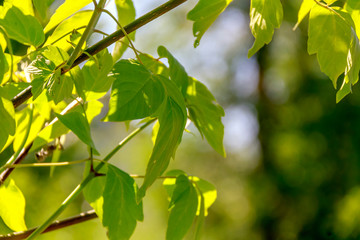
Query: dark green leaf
93, 192
120, 208
204, 14
183, 206
126, 14
12, 206
79, 125
264, 17
23, 28
206, 114
95, 71
172, 119
177, 71
135, 93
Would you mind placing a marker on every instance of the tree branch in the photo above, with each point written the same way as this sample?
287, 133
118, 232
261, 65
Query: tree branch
82, 217
157, 12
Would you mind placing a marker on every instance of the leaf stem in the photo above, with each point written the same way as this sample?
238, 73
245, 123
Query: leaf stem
88, 30
87, 179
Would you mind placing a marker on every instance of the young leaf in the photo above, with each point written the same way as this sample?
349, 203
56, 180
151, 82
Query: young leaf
79, 19
64, 11
183, 205
172, 119
135, 93
95, 71
7, 118
12, 206
126, 14
206, 114
79, 125
121, 210
330, 36
264, 17
204, 14
23, 28
304, 10
177, 71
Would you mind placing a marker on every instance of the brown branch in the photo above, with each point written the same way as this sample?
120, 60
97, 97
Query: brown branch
148, 17
54, 226
5, 174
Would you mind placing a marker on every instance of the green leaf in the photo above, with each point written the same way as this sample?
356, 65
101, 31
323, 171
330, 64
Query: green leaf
206, 189
172, 119
183, 205
154, 65
12, 206
68, 8
23, 28
4, 66
121, 212
304, 10
60, 36
135, 93
125, 15
330, 36
353, 7
265, 15
93, 192
56, 128
7, 118
79, 125
204, 14
22, 122
42, 8
177, 71
95, 71
201, 218
25, 6
206, 114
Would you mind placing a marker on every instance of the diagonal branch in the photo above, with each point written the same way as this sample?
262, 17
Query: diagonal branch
138, 23
82, 217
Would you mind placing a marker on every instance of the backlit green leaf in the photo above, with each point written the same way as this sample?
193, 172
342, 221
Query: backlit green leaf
135, 93
204, 14
172, 119
25, 6
121, 212
56, 128
330, 36
95, 71
68, 8
304, 10
4, 66
177, 71
23, 28
61, 34
79, 125
7, 118
41, 7
154, 65
183, 205
125, 15
206, 114
265, 15
12, 206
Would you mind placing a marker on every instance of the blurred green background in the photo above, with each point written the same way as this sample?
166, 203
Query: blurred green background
292, 169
